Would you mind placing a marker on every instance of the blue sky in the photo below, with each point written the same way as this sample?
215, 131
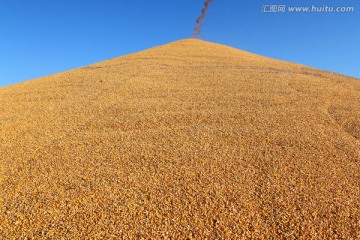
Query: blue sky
42, 37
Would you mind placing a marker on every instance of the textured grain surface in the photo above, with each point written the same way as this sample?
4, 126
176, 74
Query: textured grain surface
187, 140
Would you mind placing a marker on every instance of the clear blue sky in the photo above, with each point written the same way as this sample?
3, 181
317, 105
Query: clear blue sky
42, 37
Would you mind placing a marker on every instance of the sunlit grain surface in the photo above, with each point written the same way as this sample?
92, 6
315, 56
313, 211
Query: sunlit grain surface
190, 140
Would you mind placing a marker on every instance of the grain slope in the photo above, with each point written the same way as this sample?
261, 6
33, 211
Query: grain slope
187, 140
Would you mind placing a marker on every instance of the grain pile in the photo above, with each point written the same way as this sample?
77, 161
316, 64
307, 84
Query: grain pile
189, 140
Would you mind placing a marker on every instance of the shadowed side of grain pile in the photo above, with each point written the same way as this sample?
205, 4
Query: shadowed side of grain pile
187, 140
